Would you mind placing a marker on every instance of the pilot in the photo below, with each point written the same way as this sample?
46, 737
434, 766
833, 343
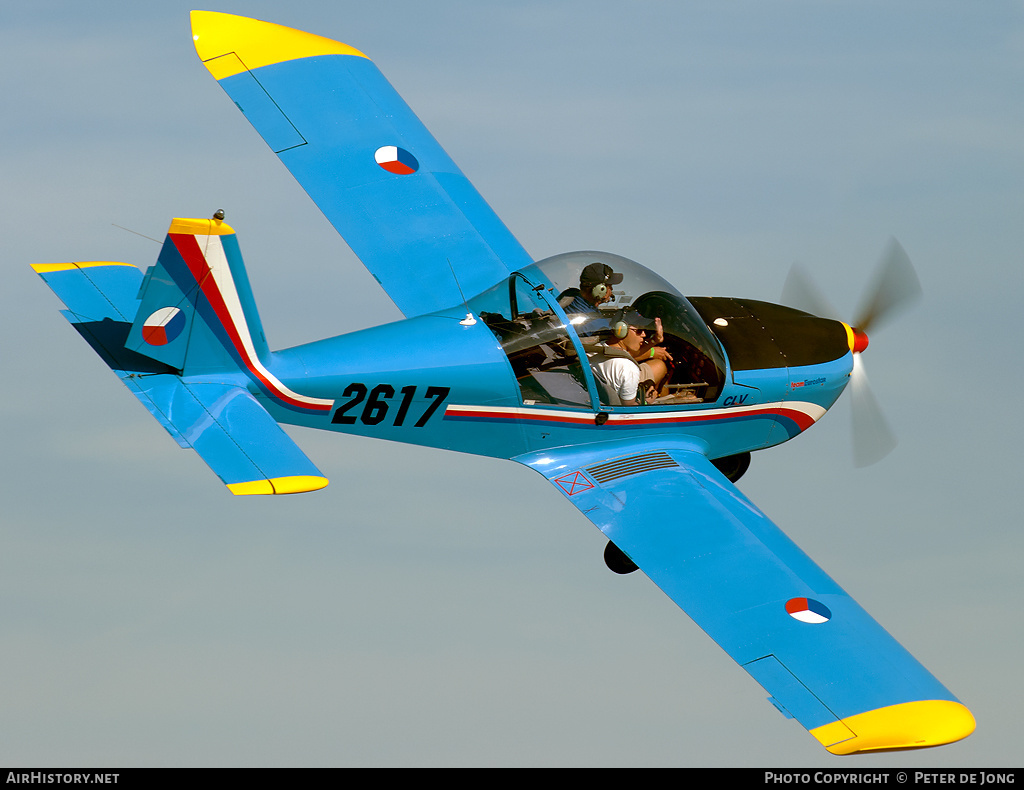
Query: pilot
596, 281
613, 361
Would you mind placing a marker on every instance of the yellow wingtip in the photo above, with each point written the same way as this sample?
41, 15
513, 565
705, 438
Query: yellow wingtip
910, 725
297, 484
229, 44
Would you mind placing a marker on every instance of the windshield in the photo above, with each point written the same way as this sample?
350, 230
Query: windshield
599, 289
536, 342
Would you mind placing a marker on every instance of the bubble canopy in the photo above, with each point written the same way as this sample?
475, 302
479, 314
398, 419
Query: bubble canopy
594, 291
644, 291
562, 272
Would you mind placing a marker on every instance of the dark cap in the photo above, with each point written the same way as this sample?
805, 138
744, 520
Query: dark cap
599, 273
634, 319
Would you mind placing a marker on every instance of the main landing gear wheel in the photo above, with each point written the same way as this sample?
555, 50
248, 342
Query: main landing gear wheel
616, 559
733, 466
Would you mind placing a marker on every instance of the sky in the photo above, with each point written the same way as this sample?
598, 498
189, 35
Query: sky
434, 609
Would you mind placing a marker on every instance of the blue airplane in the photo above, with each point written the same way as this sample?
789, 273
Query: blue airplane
641, 406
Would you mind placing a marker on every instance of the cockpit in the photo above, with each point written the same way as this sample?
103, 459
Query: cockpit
559, 313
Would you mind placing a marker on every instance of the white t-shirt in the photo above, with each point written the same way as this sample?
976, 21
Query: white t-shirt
619, 374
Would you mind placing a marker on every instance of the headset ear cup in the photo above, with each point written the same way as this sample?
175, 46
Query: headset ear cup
600, 290
621, 329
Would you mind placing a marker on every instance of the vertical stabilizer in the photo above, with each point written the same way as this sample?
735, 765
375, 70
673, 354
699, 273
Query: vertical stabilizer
197, 313
199, 274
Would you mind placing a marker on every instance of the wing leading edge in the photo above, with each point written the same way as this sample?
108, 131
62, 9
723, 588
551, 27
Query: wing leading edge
370, 165
822, 658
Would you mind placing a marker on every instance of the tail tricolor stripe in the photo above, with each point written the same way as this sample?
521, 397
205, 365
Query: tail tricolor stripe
208, 266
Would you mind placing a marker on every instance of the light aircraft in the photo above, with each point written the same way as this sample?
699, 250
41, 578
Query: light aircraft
533, 361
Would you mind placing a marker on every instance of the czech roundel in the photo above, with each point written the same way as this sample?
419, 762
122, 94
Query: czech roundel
163, 326
396, 160
807, 610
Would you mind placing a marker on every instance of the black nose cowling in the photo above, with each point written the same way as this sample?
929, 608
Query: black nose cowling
758, 335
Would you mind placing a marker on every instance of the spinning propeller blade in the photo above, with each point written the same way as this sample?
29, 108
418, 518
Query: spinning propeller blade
894, 287
873, 439
802, 293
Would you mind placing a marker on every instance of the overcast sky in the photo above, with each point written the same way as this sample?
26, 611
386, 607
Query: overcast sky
435, 609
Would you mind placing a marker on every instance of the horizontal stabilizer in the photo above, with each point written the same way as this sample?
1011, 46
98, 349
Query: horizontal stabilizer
102, 301
231, 431
94, 290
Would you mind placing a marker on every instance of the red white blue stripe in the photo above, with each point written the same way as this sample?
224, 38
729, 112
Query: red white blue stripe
206, 261
795, 416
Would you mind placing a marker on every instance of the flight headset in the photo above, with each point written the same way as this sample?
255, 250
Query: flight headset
620, 328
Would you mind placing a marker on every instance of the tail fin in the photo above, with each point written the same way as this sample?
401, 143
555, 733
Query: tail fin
192, 315
199, 274
197, 312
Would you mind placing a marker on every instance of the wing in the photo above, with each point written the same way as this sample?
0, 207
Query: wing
822, 658
382, 180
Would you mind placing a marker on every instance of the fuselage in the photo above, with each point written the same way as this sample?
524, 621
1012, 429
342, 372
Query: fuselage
502, 375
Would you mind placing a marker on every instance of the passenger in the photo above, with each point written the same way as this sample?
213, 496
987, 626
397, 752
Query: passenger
651, 349
624, 381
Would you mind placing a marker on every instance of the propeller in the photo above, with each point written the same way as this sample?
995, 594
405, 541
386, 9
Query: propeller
893, 289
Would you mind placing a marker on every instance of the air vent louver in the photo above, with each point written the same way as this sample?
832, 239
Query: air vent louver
633, 465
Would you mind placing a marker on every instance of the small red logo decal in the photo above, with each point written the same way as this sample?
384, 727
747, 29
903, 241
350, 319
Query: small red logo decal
574, 483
